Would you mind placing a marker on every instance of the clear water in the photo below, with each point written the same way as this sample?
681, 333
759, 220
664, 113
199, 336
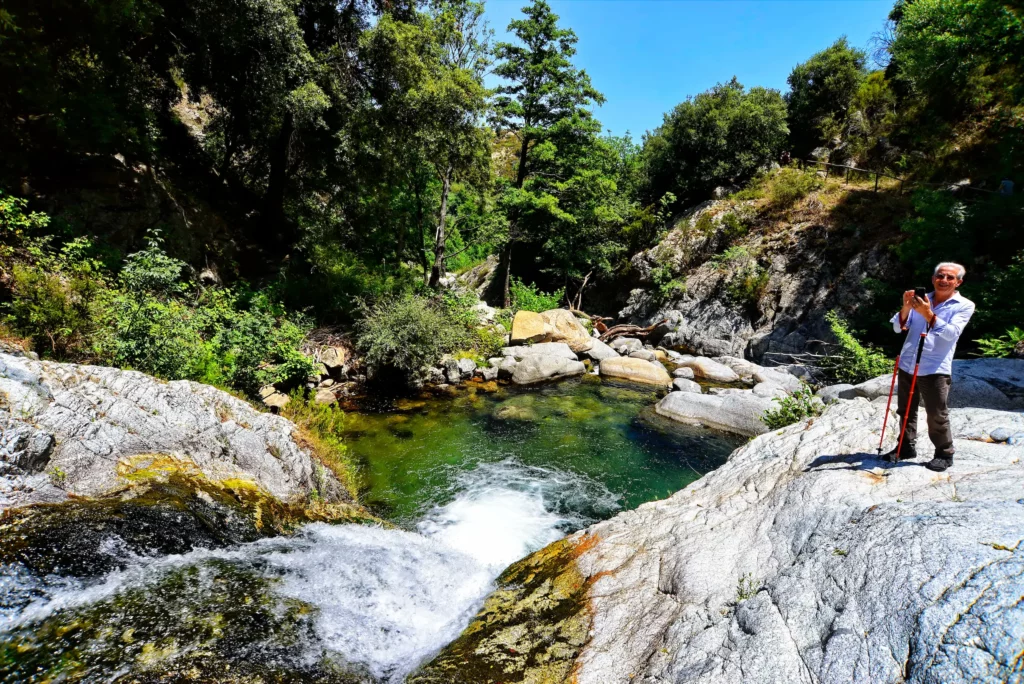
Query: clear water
474, 483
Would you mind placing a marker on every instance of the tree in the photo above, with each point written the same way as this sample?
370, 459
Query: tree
544, 102
723, 135
821, 91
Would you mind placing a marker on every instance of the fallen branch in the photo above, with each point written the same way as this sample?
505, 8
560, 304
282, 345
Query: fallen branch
631, 330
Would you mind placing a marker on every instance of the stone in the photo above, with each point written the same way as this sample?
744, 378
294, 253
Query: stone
742, 367
565, 327
790, 383
738, 412
683, 372
660, 355
635, 370
624, 345
645, 354
333, 358
267, 390
707, 369
100, 424
329, 382
599, 351
538, 368
559, 349
507, 368
874, 388
528, 326
319, 373
488, 374
1001, 434
435, 376
835, 392
466, 368
276, 401
452, 372
325, 396
684, 385
769, 390
804, 558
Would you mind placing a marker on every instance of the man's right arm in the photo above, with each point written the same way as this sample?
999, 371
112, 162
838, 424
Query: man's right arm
899, 321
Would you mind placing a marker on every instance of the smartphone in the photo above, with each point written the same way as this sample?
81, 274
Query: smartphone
920, 292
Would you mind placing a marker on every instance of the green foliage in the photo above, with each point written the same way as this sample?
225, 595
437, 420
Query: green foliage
731, 255
852, 362
409, 332
733, 227
748, 285
1004, 345
821, 91
723, 135
526, 297
747, 587
324, 427
793, 409
667, 287
787, 186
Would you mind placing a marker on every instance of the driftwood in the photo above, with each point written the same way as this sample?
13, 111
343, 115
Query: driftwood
629, 330
598, 321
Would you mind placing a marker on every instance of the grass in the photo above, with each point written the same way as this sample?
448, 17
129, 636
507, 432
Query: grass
321, 430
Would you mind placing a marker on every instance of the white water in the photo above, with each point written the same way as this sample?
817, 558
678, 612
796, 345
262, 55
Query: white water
388, 599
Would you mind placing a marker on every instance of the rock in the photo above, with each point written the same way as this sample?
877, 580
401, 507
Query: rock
835, 392
484, 312
742, 367
435, 376
710, 370
635, 370
329, 382
967, 391
488, 374
790, 383
599, 351
325, 396
524, 414
624, 345
319, 373
565, 327
466, 368
334, 358
683, 372
1001, 434
100, 425
738, 412
660, 355
496, 361
528, 326
507, 368
802, 559
874, 388
452, 372
977, 383
276, 400
267, 390
684, 385
538, 368
769, 390
559, 349
645, 354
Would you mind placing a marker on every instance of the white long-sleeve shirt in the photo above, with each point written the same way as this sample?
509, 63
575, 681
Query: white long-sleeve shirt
951, 318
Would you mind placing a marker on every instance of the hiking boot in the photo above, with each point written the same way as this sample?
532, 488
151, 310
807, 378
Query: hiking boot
908, 453
938, 464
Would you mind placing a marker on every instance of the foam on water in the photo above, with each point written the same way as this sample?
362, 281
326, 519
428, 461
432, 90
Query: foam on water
388, 599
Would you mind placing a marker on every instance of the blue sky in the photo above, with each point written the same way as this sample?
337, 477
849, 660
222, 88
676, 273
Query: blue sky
646, 56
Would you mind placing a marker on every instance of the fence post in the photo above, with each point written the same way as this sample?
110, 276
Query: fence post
826, 170
847, 180
876, 181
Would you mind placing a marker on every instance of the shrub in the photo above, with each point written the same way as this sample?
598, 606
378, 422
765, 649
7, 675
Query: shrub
323, 427
667, 286
730, 255
407, 333
1004, 345
792, 409
528, 298
733, 227
787, 186
851, 361
748, 285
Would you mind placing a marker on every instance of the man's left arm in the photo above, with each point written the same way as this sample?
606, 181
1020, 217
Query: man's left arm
952, 329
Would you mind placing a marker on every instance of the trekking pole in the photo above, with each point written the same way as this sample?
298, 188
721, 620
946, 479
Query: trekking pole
892, 386
910, 397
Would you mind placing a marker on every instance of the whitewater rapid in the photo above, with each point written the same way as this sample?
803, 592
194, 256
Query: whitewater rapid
387, 599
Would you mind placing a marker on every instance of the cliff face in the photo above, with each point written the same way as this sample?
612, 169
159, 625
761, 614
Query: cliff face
807, 559
753, 279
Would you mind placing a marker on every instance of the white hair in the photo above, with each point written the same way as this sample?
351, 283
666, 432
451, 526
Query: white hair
960, 270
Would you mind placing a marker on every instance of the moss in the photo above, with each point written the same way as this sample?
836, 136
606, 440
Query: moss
530, 630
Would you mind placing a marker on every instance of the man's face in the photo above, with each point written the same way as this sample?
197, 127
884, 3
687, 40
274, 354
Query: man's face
945, 281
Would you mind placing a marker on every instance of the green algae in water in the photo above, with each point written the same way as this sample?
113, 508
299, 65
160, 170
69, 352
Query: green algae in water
607, 433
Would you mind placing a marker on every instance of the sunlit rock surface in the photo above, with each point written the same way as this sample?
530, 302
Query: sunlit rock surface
82, 430
803, 559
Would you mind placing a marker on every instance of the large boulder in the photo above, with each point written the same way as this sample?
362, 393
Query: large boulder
834, 392
599, 351
977, 383
683, 372
742, 367
739, 412
565, 327
76, 430
559, 349
708, 369
804, 558
528, 326
684, 385
790, 383
625, 345
540, 368
636, 370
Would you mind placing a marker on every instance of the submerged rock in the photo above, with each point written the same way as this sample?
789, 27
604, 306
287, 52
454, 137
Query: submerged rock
807, 559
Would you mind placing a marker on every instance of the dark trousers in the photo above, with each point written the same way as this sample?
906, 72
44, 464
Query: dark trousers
934, 391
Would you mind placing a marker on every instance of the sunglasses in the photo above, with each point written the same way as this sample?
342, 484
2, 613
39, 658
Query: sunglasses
942, 276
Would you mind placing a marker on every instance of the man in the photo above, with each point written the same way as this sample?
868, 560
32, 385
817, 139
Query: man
943, 314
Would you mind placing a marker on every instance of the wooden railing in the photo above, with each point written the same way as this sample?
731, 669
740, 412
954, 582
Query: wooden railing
847, 171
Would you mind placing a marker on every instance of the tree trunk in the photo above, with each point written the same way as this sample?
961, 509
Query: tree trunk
423, 236
505, 259
439, 235
274, 199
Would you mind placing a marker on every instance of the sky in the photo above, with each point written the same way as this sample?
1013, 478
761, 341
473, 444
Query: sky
646, 56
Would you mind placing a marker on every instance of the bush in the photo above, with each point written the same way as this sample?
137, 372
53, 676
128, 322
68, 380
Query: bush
852, 362
1002, 346
323, 427
792, 409
407, 333
787, 186
733, 227
748, 285
528, 298
667, 286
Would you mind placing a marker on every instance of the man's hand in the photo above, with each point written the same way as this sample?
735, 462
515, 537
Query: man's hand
923, 307
908, 304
